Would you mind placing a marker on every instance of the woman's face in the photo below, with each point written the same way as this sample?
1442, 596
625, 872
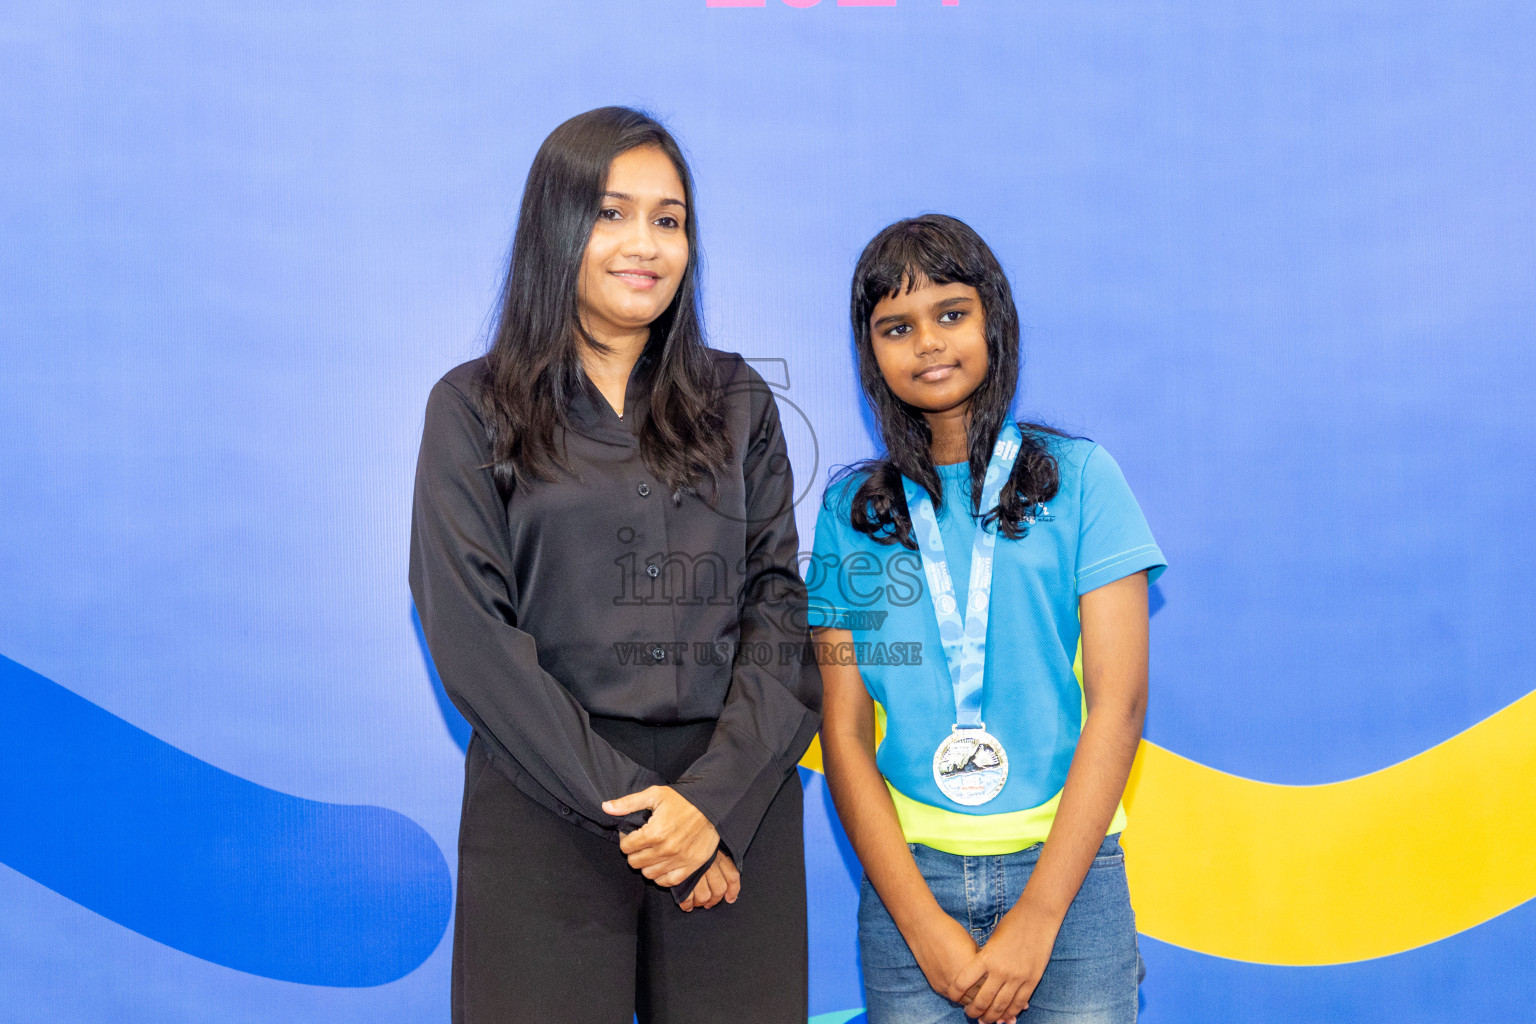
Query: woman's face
931, 344
638, 251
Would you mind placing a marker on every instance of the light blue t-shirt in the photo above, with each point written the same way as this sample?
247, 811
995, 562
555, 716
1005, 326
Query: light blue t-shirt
1092, 533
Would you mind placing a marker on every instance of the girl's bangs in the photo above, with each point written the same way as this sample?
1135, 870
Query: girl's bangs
907, 259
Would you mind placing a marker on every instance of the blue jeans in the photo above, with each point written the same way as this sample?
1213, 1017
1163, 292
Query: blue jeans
1094, 969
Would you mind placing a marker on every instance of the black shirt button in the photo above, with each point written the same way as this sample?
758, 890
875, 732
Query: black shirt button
652, 571
644, 489
658, 654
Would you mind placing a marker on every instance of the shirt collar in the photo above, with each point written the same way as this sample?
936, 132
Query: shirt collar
592, 416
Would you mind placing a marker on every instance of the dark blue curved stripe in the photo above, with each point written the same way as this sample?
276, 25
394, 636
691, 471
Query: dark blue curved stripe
204, 861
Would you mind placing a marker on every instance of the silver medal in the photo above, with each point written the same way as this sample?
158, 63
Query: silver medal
970, 766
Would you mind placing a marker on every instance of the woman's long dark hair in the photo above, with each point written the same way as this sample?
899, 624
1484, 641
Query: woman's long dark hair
942, 250
534, 361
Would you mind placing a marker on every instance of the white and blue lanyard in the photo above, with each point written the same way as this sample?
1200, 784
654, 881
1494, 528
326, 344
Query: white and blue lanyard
969, 750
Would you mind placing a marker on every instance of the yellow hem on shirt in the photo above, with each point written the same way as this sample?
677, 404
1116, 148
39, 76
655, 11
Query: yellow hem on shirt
980, 835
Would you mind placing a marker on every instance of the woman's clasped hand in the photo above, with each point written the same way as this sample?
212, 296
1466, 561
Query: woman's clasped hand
673, 843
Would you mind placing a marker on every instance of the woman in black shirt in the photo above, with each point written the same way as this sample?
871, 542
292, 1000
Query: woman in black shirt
603, 555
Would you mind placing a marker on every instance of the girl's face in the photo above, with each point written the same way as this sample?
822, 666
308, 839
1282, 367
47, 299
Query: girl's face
638, 251
931, 344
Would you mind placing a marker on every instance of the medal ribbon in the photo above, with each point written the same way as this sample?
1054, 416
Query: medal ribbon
965, 642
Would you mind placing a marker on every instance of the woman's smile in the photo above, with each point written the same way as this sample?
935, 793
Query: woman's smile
640, 280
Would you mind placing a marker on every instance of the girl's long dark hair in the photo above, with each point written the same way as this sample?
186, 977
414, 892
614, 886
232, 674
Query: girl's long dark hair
942, 250
534, 362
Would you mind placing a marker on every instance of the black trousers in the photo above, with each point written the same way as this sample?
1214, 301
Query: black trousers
553, 925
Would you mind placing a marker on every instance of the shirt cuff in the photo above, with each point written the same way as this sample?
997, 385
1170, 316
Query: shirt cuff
825, 615
736, 810
684, 889
1117, 567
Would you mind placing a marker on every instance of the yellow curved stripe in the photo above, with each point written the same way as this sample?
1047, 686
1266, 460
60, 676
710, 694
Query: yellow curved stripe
1333, 873
1345, 871
812, 758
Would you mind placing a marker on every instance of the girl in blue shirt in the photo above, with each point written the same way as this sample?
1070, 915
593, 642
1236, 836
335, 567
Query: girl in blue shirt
987, 818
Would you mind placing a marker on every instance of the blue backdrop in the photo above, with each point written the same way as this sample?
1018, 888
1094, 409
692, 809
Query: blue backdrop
1279, 258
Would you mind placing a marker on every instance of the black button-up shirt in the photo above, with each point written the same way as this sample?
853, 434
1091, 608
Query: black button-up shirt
595, 593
